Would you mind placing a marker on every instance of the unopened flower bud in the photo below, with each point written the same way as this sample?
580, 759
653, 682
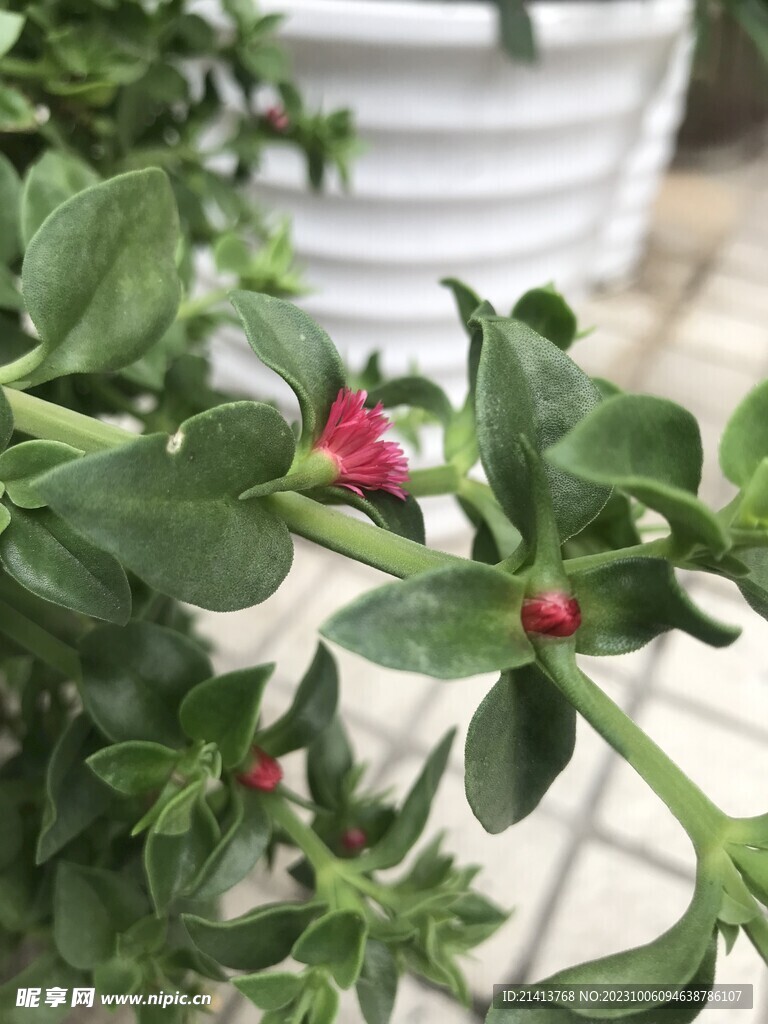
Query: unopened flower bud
354, 840
277, 119
551, 615
264, 774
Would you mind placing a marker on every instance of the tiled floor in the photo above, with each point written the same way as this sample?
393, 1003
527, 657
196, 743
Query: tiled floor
601, 864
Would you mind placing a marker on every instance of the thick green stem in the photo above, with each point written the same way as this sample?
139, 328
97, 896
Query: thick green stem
704, 823
355, 539
194, 307
311, 845
423, 483
652, 549
39, 418
39, 642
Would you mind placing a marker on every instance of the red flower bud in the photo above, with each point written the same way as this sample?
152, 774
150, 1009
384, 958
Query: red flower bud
551, 615
264, 774
354, 840
277, 119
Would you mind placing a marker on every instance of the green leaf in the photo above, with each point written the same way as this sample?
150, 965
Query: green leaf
134, 679
547, 312
336, 942
11, 837
311, 711
467, 300
6, 421
90, 907
74, 796
48, 971
258, 939
415, 392
10, 30
225, 711
753, 865
22, 464
173, 859
48, 183
329, 761
626, 603
752, 513
99, 277
10, 193
135, 766
16, 112
269, 991
744, 443
651, 448
528, 390
412, 817
289, 342
377, 984
754, 587
521, 737
671, 959
239, 849
516, 29
47, 557
452, 622
168, 507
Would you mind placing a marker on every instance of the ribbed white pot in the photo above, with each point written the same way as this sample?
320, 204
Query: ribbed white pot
475, 166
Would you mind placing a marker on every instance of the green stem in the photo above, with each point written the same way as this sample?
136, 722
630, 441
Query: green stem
39, 418
704, 823
347, 536
652, 549
39, 642
311, 845
194, 307
424, 483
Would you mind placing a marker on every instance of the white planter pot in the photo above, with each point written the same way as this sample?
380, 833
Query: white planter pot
499, 173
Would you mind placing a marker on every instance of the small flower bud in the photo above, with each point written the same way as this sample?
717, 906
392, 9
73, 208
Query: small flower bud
277, 119
551, 615
354, 840
264, 774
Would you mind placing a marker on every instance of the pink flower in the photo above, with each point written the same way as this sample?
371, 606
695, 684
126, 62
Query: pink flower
551, 615
264, 774
351, 440
354, 840
277, 119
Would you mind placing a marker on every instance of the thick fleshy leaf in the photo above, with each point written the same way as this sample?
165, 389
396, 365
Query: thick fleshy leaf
528, 390
289, 342
521, 737
269, 991
626, 603
744, 443
336, 942
671, 959
240, 848
99, 276
225, 711
135, 766
10, 29
22, 464
650, 448
754, 587
467, 300
74, 796
16, 112
377, 985
752, 512
44, 554
225, 554
258, 939
6, 421
329, 761
90, 907
547, 312
49, 182
410, 820
10, 194
311, 710
173, 859
415, 392
48, 971
452, 622
134, 678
